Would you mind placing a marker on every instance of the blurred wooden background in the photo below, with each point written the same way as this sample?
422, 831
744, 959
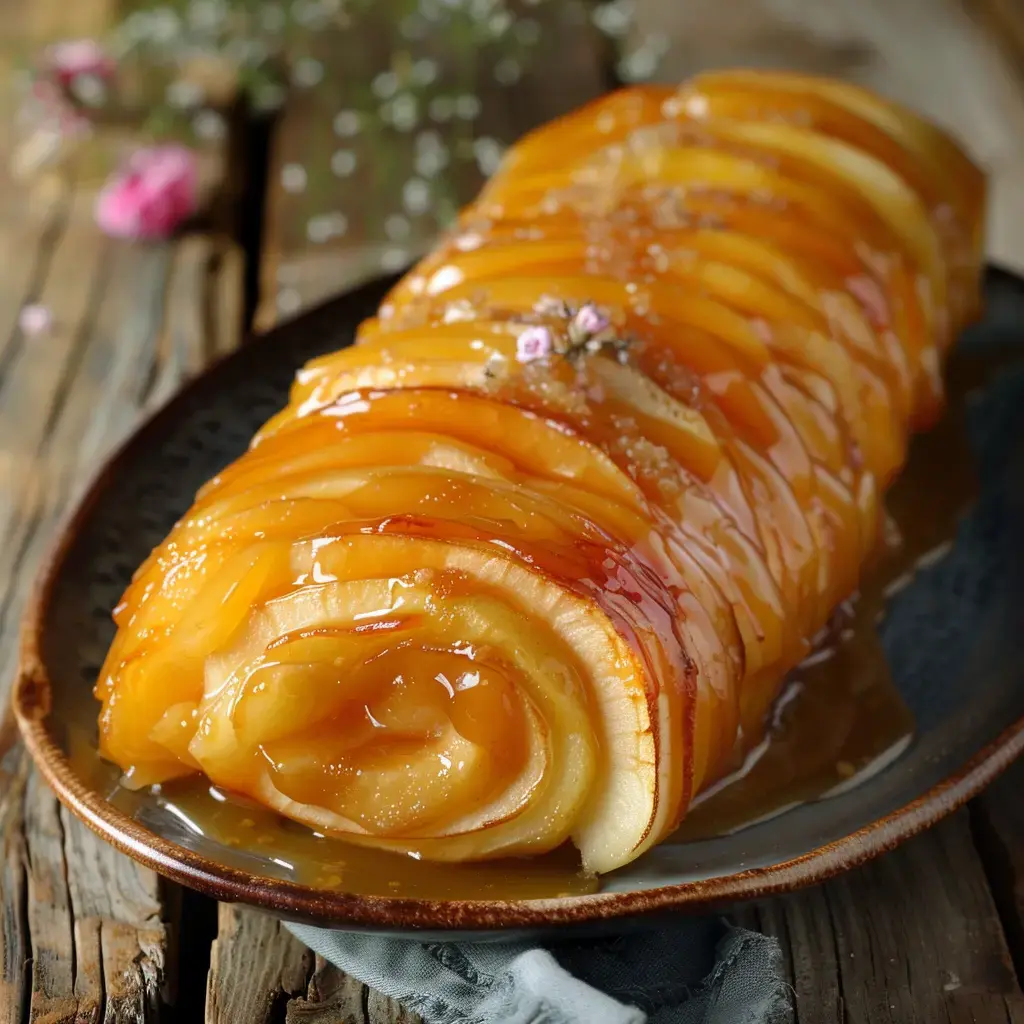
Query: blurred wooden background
346, 178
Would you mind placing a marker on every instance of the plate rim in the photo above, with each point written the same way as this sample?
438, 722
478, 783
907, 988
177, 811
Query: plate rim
32, 698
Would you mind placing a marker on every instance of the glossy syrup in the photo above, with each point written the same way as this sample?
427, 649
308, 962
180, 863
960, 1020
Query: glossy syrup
838, 720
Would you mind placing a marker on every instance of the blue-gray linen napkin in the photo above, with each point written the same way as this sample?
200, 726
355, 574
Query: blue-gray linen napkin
685, 971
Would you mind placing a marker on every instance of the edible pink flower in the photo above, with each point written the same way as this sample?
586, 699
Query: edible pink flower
76, 57
589, 320
534, 343
152, 196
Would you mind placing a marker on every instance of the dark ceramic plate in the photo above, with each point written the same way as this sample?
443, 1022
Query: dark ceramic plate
954, 638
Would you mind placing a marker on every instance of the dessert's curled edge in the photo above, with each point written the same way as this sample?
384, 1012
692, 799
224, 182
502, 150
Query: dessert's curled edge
528, 563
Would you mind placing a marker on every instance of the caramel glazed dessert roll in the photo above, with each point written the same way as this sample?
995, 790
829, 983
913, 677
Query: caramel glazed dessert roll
530, 561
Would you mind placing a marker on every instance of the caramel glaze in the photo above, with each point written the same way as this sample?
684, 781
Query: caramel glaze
838, 720
530, 562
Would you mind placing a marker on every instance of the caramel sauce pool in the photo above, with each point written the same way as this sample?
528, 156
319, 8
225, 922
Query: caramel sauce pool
839, 719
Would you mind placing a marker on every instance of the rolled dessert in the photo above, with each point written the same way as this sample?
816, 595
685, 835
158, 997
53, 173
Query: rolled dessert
528, 563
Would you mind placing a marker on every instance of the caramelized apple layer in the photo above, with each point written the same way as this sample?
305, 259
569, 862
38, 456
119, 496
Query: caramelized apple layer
528, 563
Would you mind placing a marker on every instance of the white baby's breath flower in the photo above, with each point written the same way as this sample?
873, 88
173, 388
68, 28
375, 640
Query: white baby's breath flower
346, 123
467, 106
288, 301
185, 95
441, 109
385, 85
488, 153
397, 227
392, 260
293, 178
307, 72
206, 15
326, 226
614, 18
343, 162
431, 162
209, 125
424, 71
404, 112
416, 195
507, 71
90, 90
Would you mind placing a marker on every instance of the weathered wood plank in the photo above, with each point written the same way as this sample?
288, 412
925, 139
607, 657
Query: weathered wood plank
226, 303
998, 819
98, 938
29, 225
84, 933
57, 991
41, 370
913, 936
185, 344
334, 997
121, 913
14, 940
255, 968
96, 925
382, 1009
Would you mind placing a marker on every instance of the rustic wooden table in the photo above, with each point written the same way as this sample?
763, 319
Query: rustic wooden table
931, 932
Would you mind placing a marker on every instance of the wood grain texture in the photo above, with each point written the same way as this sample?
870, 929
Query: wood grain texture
98, 937
998, 820
15, 957
260, 973
85, 934
913, 936
334, 997
255, 968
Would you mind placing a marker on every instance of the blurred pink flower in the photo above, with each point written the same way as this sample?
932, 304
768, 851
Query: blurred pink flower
534, 343
589, 320
35, 319
152, 196
74, 57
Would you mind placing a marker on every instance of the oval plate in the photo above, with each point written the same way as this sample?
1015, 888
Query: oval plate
954, 639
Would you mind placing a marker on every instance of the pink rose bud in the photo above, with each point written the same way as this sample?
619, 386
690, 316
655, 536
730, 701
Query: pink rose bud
152, 196
534, 343
76, 57
590, 320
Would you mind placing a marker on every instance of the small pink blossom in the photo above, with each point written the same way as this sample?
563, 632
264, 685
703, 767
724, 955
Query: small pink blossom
534, 343
35, 319
590, 321
76, 57
152, 196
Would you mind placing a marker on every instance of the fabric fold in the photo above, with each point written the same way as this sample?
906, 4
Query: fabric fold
689, 971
